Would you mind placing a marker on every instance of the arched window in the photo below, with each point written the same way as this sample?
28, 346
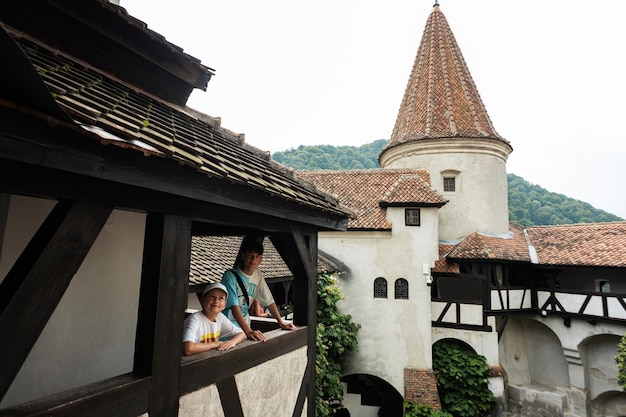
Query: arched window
380, 288
401, 288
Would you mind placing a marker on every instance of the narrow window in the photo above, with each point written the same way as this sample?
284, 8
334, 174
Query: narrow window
412, 217
380, 288
603, 286
449, 184
401, 289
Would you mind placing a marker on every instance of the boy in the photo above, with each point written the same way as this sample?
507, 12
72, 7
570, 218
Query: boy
203, 329
249, 257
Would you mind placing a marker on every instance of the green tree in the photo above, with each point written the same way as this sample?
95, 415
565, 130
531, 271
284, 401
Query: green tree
336, 336
529, 204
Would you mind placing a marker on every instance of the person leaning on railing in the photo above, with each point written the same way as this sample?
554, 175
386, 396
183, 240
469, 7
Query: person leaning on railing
204, 329
252, 288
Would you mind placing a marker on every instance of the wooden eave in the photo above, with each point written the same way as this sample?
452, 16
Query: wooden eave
111, 40
56, 162
77, 123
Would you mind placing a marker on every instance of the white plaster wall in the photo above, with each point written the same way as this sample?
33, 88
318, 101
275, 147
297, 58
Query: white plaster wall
91, 334
514, 354
395, 334
601, 369
260, 391
480, 202
353, 403
530, 351
483, 343
204, 402
470, 313
573, 340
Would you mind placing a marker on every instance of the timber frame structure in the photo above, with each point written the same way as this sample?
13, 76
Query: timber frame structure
93, 118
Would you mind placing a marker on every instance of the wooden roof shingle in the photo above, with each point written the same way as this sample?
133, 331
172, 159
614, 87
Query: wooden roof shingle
118, 114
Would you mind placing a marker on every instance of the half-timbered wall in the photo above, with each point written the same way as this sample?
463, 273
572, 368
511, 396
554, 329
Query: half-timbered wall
96, 317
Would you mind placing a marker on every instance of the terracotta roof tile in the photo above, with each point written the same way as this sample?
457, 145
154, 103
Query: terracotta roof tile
444, 265
412, 190
441, 99
480, 246
366, 192
594, 244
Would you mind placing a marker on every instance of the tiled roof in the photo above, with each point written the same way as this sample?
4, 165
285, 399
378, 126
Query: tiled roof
117, 114
412, 190
366, 192
594, 244
480, 246
440, 100
212, 255
443, 265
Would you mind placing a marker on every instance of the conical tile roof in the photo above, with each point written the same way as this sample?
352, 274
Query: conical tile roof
440, 100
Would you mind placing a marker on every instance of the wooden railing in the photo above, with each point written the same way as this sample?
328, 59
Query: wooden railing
128, 395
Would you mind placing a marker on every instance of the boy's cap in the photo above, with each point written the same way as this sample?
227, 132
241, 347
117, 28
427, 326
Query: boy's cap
214, 285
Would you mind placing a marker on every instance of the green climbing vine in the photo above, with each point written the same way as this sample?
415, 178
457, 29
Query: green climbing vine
462, 379
620, 359
336, 336
422, 410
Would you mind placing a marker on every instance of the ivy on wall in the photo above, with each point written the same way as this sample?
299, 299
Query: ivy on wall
336, 336
620, 359
462, 379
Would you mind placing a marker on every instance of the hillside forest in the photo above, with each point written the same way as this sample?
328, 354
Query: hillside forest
529, 204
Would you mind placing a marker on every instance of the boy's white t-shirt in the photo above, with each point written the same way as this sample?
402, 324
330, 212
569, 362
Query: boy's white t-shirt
199, 329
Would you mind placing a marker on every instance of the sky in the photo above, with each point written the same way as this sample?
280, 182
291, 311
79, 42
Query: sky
302, 72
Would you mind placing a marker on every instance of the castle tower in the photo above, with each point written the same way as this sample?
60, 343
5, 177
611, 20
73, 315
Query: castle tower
443, 127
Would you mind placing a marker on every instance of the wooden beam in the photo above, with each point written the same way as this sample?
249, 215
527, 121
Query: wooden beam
120, 396
111, 173
299, 251
229, 397
36, 283
163, 298
129, 394
203, 369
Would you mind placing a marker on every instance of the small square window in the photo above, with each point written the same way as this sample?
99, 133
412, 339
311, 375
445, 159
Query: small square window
412, 217
449, 184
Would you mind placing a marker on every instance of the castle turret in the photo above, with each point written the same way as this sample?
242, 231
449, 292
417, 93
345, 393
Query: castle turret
443, 127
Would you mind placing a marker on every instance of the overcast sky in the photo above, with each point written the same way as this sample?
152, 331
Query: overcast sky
296, 72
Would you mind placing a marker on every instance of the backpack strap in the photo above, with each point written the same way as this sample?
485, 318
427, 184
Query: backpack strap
243, 287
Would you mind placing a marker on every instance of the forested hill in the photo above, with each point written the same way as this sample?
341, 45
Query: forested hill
529, 204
